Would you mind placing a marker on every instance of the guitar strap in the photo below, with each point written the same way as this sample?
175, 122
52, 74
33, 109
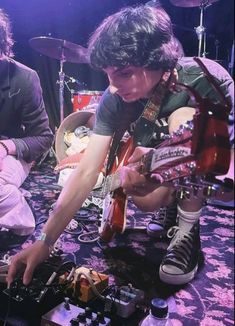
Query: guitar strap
145, 124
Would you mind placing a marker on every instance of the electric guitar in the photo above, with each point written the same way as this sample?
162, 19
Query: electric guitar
190, 159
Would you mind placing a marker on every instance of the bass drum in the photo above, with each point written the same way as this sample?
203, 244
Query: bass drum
84, 99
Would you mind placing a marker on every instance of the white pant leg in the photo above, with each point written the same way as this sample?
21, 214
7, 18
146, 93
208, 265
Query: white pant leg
15, 213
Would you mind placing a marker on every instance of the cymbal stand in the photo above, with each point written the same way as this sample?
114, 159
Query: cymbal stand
231, 63
201, 30
61, 85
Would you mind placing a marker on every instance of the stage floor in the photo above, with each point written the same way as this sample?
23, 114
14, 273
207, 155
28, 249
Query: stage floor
134, 257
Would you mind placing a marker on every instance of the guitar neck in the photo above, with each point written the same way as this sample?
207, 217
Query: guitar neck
155, 161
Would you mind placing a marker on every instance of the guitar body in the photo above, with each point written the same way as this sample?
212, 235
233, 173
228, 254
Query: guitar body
114, 215
115, 203
213, 147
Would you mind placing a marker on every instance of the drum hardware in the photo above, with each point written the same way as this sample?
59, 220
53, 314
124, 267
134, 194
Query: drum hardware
201, 33
217, 45
200, 30
75, 81
58, 49
231, 62
63, 51
192, 3
85, 99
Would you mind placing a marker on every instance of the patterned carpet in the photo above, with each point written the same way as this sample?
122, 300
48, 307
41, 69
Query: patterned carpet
134, 258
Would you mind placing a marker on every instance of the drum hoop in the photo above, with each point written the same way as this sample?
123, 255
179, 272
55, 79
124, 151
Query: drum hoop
92, 93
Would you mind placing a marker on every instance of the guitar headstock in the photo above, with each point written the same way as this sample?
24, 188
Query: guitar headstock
174, 149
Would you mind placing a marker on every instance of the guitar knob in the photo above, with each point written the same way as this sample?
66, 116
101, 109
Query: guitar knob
209, 191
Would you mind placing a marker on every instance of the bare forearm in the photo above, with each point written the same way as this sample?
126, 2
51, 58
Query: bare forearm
73, 195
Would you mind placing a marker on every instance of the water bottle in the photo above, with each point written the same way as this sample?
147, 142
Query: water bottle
158, 315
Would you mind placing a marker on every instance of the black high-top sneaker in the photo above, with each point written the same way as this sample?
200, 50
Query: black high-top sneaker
162, 221
180, 264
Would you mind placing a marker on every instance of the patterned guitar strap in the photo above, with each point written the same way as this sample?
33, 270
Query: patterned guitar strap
146, 123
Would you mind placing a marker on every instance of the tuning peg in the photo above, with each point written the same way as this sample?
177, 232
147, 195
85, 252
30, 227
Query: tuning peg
166, 174
191, 166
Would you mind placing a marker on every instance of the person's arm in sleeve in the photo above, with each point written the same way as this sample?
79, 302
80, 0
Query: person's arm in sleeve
38, 136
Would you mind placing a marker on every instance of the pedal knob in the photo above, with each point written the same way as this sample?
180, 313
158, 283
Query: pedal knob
66, 303
74, 322
94, 322
88, 312
100, 318
81, 317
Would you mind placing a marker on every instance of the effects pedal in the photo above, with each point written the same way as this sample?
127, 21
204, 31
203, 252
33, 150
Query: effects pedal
66, 314
41, 281
86, 282
125, 300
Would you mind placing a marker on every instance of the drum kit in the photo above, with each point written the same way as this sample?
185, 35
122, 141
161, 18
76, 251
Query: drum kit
65, 51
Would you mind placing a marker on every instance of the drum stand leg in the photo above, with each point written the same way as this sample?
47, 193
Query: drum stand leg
201, 33
231, 63
61, 90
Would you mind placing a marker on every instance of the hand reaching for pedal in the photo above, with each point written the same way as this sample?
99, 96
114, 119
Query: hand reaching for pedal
26, 261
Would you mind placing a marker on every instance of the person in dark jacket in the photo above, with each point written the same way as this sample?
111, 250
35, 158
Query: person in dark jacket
24, 133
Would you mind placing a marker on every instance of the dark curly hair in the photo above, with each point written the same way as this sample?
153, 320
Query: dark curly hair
141, 36
6, 40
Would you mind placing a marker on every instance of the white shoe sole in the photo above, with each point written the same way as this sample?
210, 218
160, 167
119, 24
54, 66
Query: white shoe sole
161, 234
177, 279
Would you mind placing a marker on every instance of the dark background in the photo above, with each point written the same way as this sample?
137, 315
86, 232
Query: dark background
74, 21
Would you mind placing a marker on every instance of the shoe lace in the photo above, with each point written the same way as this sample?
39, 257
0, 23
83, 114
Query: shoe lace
180, 248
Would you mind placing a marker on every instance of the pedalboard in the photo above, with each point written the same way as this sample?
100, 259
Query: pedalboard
66, 314
83, 281
125, 300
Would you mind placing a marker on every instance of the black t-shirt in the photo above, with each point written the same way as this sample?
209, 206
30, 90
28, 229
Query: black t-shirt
113, 113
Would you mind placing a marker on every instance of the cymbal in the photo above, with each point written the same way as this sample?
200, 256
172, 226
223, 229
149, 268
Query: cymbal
60, 49
192, 3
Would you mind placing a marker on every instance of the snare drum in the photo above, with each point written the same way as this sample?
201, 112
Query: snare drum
83, 99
